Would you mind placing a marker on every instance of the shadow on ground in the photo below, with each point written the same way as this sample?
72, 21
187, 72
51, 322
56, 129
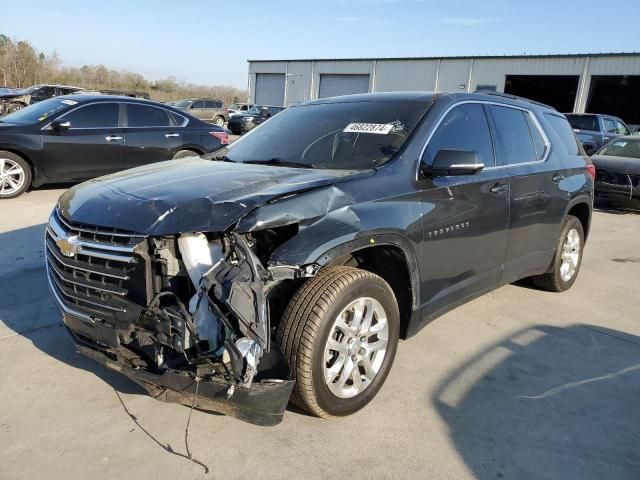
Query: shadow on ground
27, 308
548, 403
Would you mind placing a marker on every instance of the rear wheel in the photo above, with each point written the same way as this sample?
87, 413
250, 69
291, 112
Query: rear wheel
340, 334
219, 121
184, 154
567, 259
15, 175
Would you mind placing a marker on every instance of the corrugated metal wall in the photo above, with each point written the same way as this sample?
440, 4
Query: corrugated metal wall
446, 74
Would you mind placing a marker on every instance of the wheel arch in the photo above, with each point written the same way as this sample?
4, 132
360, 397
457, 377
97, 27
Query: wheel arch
390, 256
34, 170
581, 209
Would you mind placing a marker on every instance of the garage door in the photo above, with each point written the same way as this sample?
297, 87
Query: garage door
559, 91
334, 85
616, 95
270, 89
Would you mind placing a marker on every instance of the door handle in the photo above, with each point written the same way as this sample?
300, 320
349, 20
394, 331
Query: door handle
169, 135
112, 138
557, 178
499, 188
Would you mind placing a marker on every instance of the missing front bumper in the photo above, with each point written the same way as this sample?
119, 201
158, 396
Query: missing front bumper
264, 403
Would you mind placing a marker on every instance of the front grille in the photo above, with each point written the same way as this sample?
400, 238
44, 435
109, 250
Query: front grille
96, 272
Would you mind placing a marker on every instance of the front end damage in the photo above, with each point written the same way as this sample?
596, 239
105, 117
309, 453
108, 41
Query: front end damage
186, 316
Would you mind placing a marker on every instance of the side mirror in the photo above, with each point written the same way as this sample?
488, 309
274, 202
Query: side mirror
454, 162
61, 125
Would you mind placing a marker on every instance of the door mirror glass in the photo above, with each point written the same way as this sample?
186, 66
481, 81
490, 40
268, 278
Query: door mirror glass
455, 162
61, 125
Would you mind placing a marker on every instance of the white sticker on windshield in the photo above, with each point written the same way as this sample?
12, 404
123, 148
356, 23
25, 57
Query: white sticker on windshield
69, 102
377, 128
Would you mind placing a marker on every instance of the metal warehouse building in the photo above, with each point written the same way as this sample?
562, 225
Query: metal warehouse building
598, 83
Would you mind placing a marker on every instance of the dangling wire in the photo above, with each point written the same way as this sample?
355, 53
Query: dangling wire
186, 430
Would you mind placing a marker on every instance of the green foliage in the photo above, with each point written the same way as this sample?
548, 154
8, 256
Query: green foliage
21, 66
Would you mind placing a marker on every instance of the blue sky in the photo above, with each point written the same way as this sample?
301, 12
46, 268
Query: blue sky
209, 41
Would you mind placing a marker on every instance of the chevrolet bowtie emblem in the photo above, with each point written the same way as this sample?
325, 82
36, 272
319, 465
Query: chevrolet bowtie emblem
69, 247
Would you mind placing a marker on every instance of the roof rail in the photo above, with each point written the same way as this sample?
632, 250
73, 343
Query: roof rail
516, 97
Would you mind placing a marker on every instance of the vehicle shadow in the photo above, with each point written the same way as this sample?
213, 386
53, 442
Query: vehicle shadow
547, 402
27, 308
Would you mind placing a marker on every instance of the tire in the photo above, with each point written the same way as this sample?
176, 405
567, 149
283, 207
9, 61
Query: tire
558, 278
184, 154
310, 319
219, 121
14, 107
15, 175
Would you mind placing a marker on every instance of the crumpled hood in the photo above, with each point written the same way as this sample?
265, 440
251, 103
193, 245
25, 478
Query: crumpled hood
187, 195
629, 166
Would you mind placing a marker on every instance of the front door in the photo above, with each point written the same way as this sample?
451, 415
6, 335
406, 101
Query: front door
151, 135
465, 217
92, 146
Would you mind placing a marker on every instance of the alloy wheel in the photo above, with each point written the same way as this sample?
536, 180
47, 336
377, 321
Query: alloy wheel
12, 177
356, 347
570, 255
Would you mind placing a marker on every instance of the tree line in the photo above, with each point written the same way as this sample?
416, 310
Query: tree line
22, 66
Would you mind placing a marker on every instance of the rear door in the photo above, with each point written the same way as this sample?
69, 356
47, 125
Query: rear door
152, 134
609, 129
198, 110
537, 203
92, 146
466, 216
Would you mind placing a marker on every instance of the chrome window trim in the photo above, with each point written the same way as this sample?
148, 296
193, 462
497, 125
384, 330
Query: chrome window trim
118, 102
545, 138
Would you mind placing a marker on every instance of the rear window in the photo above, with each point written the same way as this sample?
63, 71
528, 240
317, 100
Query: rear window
146, 116
562, 128
584, 122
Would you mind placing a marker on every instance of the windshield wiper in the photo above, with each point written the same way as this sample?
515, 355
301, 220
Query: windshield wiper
278, 162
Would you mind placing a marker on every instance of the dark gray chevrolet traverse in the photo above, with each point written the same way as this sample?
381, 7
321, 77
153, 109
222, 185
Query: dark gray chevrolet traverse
288, 265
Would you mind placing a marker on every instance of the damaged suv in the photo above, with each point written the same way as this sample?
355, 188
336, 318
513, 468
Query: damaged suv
289, 264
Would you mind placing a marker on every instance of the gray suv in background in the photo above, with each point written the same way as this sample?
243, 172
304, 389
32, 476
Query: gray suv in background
595, 131
207, 109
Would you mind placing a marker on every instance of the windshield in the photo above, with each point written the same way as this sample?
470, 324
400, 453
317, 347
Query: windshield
334, 135
622, 148
584, 122
254, 111
183, 103
38, 112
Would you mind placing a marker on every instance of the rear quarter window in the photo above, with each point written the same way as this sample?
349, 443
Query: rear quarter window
562, 128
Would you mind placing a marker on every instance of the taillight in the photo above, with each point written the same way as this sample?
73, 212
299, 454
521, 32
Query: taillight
222, 136
591, 170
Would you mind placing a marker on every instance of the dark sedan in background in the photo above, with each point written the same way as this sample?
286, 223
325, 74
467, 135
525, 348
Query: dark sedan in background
245, 122
618, 172
77, 137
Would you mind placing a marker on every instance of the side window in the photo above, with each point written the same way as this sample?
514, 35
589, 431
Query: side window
217, 104
621, 129
209, 104
562, 128
178, 120
464, 128
198, 104
98, 115
538, 140
515, 142
146, 116
609, 125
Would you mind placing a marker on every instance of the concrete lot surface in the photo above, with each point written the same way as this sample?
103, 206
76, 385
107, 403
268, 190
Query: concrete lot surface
519, 384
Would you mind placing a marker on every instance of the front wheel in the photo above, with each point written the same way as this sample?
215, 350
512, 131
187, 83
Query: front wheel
567, 259
340, 334
14, 107
15, 175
